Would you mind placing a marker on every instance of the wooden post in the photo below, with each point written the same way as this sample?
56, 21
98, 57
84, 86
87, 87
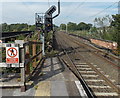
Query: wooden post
34, 53
41, 50
23, 87
22, 60
27, 56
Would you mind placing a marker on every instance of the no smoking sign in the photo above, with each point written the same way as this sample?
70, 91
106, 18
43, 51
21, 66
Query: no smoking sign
12, 55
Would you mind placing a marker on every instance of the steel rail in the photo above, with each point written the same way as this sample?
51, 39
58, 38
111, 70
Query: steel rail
110, 83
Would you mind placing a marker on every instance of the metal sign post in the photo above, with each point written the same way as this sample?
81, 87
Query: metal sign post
22, 56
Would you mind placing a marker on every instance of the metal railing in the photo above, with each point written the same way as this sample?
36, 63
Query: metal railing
30, 55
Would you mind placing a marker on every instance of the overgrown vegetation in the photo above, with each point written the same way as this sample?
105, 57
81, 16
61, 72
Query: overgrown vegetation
107, 27
17, 27
73, 26
116, 26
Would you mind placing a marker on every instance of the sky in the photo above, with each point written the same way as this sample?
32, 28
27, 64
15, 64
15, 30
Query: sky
23, 11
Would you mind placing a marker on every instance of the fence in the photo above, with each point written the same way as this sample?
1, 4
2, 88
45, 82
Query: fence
23, 55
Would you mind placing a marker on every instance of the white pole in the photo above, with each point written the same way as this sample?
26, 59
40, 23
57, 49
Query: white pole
43, 45
66, 28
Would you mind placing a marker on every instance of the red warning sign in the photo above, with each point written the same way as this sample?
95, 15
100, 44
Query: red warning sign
11, 60
12, 55
12, 52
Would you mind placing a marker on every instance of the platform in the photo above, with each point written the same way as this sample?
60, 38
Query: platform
58, 80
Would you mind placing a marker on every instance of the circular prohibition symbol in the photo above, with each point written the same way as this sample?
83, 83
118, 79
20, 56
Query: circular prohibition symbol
12, 52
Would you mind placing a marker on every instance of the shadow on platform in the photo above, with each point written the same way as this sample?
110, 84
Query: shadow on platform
53, 68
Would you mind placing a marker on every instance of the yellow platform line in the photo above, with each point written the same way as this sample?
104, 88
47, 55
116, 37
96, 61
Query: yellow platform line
43, 89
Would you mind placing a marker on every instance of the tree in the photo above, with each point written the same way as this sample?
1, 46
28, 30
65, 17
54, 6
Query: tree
32, 27
83, 26
4, 27
55, 27
14, 27
116, 24
71, 26
63, 26
89, 25
102, 23
93, 29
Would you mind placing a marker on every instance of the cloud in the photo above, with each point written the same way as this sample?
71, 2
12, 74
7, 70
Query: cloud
85, 13
21, 12
24, 12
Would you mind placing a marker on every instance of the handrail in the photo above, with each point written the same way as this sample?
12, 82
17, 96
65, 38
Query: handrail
30, 59
31, 42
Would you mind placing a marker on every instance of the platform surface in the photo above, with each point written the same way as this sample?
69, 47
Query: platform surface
58, 80
55, 79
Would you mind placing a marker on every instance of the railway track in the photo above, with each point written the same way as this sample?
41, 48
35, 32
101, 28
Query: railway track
96, 79
106, 55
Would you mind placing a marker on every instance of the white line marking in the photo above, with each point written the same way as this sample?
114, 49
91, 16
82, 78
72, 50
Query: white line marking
81, 89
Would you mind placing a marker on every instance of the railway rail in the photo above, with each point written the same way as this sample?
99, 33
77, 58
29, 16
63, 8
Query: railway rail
75, 71
98, 82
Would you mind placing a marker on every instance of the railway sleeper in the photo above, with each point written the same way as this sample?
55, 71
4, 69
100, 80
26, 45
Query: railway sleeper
96, 83
96, 80
86, 72
91, 76
89, 72
78, 65
100, 94
99, 87
86, 76
84, 69
86, 66
106, 90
